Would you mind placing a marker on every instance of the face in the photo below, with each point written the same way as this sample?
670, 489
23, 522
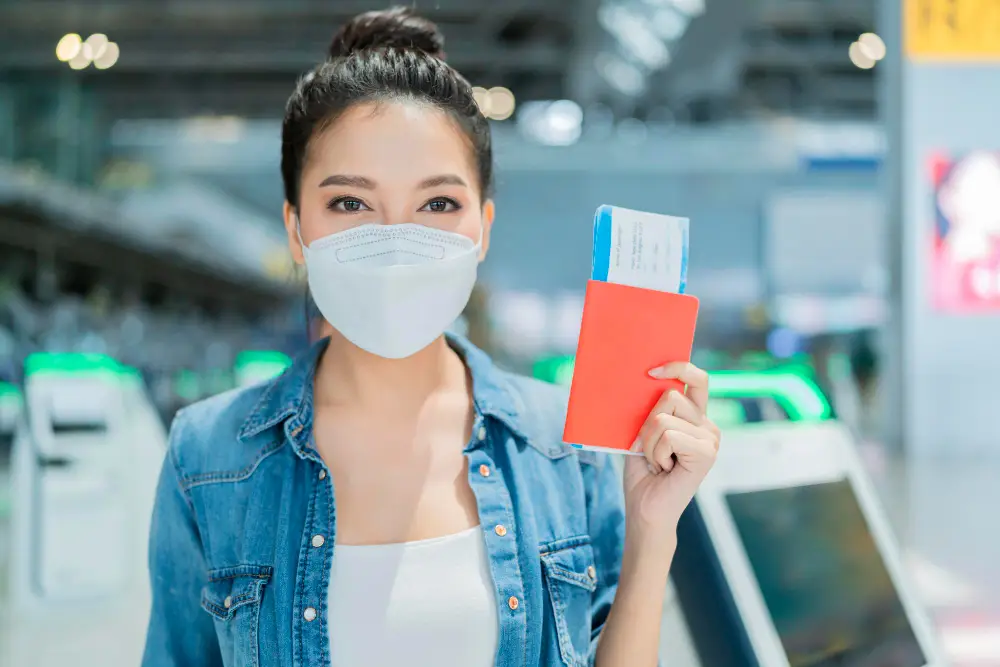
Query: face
389, 164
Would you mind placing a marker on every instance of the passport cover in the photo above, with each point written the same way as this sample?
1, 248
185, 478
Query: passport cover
625, 332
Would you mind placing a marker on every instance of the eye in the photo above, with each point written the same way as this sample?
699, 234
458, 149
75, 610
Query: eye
347, 205
441, 205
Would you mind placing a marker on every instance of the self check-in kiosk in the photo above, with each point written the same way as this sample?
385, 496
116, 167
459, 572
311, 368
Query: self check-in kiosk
784, 558
83, 478
11, 403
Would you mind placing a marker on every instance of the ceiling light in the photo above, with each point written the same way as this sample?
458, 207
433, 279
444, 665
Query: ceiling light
621, 75
95, 46
68, 47
557, 123
482, 97
859, 57
691, 7
109, 57
633, 33
669, 24
80, 61
872, 46
501, 103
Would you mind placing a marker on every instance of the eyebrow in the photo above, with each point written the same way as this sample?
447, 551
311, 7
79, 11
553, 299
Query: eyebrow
348, 181
345, 180
444, 179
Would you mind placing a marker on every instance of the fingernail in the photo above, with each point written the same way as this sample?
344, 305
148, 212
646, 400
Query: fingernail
657, 373
637, 445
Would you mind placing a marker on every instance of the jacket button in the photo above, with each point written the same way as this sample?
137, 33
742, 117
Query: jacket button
482, 433
228, 602
591, 572
309, 614
500, 530
296, 431
322, 474
484, 470
512, 603
318, 540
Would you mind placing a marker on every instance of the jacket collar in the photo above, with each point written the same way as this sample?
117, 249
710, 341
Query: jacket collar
288, 399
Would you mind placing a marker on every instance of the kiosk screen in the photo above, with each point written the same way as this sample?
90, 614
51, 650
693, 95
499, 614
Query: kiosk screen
823, 579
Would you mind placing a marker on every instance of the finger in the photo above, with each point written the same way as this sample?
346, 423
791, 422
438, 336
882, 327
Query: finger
650, 434
695, 378
693, 454
674, 423
673, 402
714, 430
640, 446
664, 452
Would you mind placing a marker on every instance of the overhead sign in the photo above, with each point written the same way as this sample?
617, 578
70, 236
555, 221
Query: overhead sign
952, 30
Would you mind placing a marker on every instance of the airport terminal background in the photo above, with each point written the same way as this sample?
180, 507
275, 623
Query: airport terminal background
839, 161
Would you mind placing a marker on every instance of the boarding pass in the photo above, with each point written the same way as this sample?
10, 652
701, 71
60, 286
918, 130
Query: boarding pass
640, 249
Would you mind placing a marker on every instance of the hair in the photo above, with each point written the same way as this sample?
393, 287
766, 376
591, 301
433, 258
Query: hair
381, 56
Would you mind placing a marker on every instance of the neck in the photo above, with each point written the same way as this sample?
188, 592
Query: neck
351, 377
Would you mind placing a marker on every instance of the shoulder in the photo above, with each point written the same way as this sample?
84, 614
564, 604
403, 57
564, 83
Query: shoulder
540, 409
205, 436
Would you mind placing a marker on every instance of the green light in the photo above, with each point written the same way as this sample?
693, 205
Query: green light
9, 394
262, 357
259, 366
798, 395
790, 386
558, 370
70, 363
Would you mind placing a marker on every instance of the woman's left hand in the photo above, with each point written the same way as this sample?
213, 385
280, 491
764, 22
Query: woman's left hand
680, 444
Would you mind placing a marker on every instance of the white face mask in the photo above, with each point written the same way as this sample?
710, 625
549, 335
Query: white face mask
391, 289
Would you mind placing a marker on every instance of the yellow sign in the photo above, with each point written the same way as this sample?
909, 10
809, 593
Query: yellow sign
952, 30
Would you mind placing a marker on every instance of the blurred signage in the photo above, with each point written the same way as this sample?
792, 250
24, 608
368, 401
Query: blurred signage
965, 243
952, 30
840, 146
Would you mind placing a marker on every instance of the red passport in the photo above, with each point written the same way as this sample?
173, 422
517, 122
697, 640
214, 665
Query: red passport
625, 332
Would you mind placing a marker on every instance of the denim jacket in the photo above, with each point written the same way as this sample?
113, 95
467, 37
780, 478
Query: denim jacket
239, 580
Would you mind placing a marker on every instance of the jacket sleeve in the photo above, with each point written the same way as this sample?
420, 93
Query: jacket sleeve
180, 633
606, 519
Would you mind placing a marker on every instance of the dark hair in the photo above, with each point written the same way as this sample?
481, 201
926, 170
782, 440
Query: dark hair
380, 56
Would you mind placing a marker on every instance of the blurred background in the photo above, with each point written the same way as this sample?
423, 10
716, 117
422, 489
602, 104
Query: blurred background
834, 157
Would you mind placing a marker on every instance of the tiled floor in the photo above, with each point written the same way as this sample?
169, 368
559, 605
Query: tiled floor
945, 514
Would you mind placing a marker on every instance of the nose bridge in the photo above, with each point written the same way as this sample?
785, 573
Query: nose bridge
396, 211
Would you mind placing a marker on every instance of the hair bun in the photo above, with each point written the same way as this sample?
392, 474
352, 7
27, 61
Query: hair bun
398, 27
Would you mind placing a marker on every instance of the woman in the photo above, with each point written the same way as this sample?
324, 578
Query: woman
394, 498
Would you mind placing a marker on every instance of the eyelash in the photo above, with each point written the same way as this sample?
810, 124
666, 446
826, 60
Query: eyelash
337, 201
455, 206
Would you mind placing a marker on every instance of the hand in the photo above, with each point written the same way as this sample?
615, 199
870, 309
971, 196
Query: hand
680, 445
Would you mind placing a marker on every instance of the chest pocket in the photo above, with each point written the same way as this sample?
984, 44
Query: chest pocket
233, 597
570, 581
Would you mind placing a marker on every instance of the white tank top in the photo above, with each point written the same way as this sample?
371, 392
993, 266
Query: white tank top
422, 604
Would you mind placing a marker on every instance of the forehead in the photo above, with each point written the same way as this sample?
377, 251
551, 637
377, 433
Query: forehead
393, 140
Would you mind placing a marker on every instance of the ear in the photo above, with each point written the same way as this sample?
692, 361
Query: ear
292, 231
489, 212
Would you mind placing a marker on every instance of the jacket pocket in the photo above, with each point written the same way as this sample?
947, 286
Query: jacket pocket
570, 580
233, 597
